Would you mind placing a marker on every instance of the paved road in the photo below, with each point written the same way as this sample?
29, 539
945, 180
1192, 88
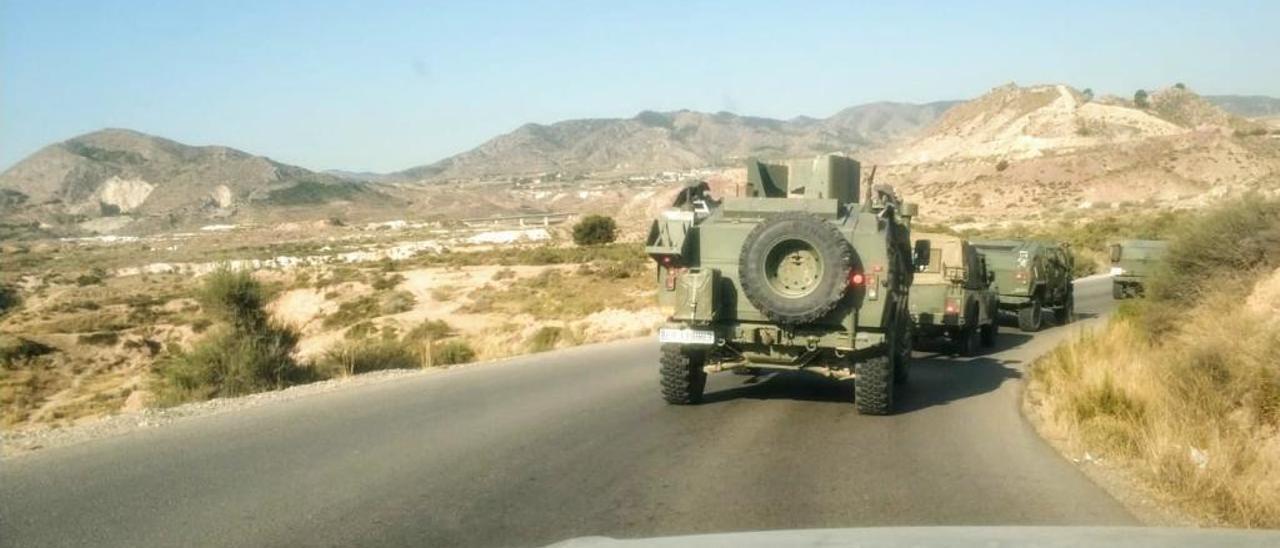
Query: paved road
561, 445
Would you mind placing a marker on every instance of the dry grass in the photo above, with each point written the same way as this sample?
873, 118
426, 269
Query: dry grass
1183, 390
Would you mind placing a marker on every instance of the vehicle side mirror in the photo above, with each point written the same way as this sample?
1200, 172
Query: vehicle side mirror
920, 256
1115, 253
910, 209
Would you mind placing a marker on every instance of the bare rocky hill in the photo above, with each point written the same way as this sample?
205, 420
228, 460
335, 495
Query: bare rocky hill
124, 176
1248, 106
657, 141
1023, 153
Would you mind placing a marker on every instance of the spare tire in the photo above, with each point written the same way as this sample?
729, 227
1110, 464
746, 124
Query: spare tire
794, 267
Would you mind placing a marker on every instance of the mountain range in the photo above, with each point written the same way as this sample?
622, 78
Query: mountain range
122, 174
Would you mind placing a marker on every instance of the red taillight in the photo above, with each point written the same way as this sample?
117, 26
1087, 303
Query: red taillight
1021, 275
666, 260
856, 278
952, 307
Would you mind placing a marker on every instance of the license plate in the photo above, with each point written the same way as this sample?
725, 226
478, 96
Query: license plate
686, 336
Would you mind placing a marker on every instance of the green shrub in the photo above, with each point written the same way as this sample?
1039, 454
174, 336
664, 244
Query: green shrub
352, 311
9, 298
105, 338
360, 330
231, 363
354, 357
397, 302
234, 297
595, 230
1237, 239
432, 330
384, 281
545, 338
246, 354
14, 350
452, 352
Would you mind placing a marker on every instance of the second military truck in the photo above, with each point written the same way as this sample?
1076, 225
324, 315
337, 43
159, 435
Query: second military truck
801, 272
952, 295
1031, 276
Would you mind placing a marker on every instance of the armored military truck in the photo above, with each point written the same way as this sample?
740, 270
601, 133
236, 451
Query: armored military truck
952, 296
800, 272
1131, 262
1031, 275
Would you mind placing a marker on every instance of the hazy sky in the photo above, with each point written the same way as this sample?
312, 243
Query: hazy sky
387, 85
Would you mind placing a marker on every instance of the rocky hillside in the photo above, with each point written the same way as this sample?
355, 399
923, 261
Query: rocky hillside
657, 141
1248, 106
125, 176
1020, 153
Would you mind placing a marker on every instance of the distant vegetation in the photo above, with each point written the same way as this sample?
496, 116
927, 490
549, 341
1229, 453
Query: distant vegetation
308, 192
595, 230
1183, 388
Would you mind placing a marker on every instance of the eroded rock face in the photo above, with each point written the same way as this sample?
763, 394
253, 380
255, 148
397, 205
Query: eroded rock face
223, 197
124, 194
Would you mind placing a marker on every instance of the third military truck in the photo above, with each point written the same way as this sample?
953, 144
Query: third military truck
952, 295
1132, 261
801, 271
1031, 276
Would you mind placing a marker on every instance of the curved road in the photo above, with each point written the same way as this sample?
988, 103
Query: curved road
567, 444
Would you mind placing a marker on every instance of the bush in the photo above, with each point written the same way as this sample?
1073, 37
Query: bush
432, 330
452, 352
246, 354
1236, 240
9, 298
545, 338
1141, 99
231, 362
595, 230
352, 311
14, 350
354, 357
397, 302
105, 338
1002, 165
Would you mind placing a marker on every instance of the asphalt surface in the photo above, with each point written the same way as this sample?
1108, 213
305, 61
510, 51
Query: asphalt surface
568, 444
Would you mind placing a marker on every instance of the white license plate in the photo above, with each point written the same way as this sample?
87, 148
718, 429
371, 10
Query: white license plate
686, 336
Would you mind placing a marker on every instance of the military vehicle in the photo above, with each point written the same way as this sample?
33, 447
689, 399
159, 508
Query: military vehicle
1131, 262
799, 273
1031, 275
952, 296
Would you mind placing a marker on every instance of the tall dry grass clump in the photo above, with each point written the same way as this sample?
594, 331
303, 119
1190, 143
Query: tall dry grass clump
1183, 390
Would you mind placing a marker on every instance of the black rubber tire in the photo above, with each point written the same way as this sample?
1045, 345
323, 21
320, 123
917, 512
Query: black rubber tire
683, 379
826, 240
873, 386
1065, 314
969, 341
900, 352
1117, 291
990, 333
1031, 317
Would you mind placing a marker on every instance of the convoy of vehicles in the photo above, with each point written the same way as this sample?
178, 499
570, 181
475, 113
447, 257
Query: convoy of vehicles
803, 273
806, 272
1131, 262
952, 295
1031, 276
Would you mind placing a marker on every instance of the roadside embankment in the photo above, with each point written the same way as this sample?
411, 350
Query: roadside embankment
1180, 392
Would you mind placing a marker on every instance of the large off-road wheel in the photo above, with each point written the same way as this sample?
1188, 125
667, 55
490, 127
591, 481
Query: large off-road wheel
1066, 313
900, 351
873, 386
794, 267
1117, 291
990, 332
968, 341
1031, 316
683, 379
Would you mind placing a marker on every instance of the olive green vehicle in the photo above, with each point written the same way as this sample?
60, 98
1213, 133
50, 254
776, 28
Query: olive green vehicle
952, 296
800, 273
1131, 262
1031, 276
